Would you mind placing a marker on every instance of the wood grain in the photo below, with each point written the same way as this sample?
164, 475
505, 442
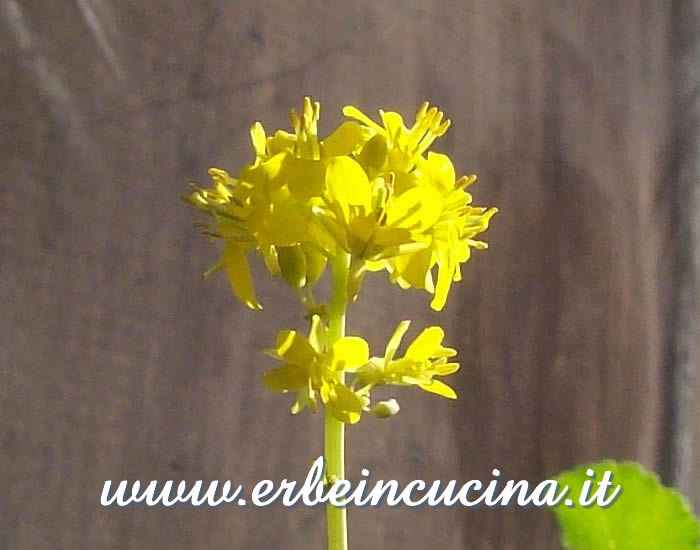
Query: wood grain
118, 362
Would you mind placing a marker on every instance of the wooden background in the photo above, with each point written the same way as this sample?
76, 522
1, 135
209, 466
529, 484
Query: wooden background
576, 330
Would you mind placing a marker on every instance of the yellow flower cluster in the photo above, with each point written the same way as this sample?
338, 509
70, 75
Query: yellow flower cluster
311, 369
368, 197
372, 190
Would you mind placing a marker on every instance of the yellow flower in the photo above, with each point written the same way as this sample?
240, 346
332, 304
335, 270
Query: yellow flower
447, 226
311, 369
425, 358
256, 213
371, 190
450, 237
403, 145
268, 209
366, 219
226, 202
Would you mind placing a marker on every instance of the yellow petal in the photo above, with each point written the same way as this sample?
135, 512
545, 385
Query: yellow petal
393, 237
444, 353
269, 255
362, 227
347, 184
281, 142
295, 348
462, 254
345, 140
348, 353
393, 123
395, 341
377, 265
399, 250
418, 208
413, 268
302, 401
442, 172
439, 388
417, 380
447, 369
344, 405
403, 181
325, 392
425, 344
305, 178
269, 173
280, 224
317, 334
354, 112
257, 137
445, 277
318, 237
286, 378
329, 232
239, 275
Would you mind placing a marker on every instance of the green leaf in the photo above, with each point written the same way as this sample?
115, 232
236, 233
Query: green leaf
645, 516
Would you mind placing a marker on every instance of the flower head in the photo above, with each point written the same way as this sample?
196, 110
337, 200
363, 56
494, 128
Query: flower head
402, 146
424, 359
444, 222
310, 368
373, 190
450, 239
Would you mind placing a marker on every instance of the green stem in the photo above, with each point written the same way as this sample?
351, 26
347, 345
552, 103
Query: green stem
334, 441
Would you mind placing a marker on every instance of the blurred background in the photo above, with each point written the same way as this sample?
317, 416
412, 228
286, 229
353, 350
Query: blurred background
577, 330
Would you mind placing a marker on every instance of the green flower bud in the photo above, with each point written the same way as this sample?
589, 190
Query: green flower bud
315, 264
292, 262
374, 155
386, 409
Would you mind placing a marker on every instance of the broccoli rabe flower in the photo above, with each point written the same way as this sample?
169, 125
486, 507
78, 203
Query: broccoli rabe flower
310, 368
372, 191
425, 358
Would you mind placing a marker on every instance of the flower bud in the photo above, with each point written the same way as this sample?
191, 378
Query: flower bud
315, 264
386, 409
374, 155
292, 264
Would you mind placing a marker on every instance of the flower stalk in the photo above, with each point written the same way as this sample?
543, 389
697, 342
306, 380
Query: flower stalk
334, 432
369, 197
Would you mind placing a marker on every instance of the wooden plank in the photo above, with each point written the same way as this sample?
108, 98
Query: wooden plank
119, 362
680, 460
